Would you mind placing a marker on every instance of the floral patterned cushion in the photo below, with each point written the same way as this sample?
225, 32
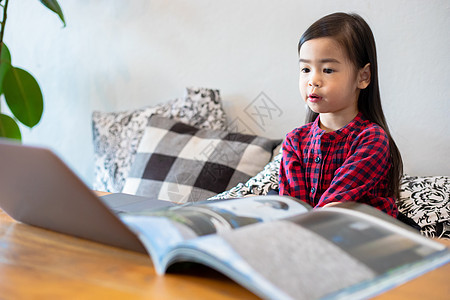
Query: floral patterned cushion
116, 135
424, 199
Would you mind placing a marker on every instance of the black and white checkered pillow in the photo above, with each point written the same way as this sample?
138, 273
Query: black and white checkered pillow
181, 163
116, 135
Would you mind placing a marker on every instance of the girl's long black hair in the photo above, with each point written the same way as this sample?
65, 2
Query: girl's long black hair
356, 37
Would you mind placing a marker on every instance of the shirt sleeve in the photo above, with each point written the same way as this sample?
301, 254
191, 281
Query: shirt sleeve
363, 173
291, 175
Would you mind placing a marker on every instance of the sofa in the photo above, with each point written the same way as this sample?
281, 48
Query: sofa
184, 150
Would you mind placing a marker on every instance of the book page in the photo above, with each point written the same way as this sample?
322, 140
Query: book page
379, 245
295, 260
324, 253
165, 229
158, 235
210, 217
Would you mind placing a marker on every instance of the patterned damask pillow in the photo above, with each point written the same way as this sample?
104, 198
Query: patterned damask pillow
116, 135
427, 201
439, 230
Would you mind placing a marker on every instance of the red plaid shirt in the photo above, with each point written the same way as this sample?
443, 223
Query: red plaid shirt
350, 164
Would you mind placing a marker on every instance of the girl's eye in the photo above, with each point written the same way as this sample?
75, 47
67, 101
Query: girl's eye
305, 70
328, 70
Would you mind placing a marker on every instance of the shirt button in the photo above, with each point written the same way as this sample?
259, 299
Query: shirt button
317, 160
313, 190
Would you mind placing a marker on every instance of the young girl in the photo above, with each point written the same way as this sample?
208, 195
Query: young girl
345, 152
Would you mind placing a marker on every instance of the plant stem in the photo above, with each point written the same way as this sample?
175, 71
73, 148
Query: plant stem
3, 23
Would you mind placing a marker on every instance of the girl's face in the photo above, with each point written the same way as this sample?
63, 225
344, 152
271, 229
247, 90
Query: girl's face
329, 83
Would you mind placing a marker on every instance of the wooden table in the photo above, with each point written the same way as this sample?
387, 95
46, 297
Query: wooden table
40, 264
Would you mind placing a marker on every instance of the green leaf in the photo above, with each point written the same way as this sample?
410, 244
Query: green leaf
23, 96
54, 6
9, 128
5, 65
6, 55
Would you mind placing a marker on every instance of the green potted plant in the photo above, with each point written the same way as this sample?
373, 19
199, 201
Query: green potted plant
21, 91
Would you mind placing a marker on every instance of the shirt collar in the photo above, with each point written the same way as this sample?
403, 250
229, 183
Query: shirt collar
356, 123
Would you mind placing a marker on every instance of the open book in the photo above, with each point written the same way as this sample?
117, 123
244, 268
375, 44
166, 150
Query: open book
280, 248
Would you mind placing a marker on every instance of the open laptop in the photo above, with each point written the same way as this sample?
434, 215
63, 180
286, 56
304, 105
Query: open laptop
37, 188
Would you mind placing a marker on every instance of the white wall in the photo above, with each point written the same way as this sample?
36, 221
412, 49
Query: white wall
121, 54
